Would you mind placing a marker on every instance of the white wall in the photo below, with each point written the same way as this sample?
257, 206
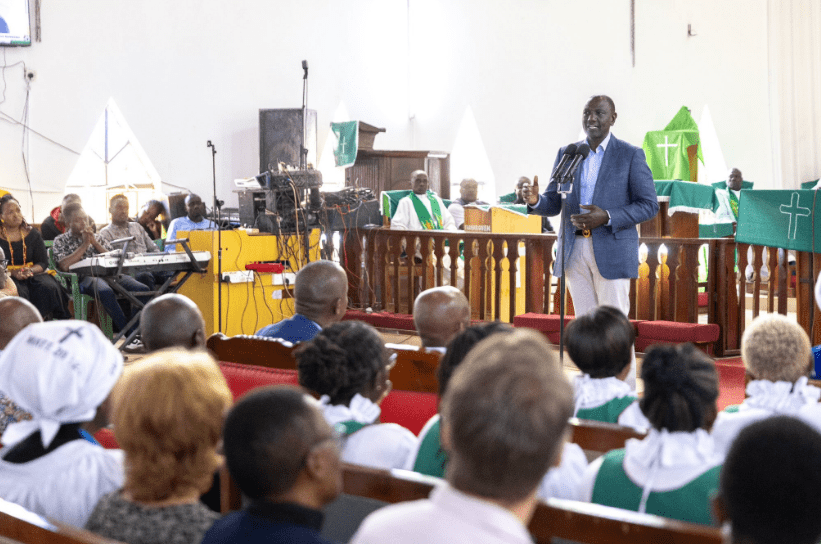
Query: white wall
188, 71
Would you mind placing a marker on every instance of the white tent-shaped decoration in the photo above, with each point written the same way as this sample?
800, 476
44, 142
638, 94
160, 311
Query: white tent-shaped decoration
113, 162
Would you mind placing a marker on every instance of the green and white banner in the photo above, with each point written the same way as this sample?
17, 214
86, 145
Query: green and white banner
785, 218
666, 150
347, 142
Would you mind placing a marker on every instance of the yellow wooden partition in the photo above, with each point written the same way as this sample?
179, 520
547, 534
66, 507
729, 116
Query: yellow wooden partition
247, 306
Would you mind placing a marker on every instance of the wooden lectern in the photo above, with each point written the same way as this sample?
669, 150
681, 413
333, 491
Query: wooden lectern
501, 220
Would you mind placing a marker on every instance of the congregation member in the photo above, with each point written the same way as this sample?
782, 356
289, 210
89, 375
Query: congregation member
172, 320
121, 227
153, 218
439, 314
28, 262
53, 225
168, 413
768, 492
61, 372
468, 194
430, 458
81, 243
194, 220
601, 344
320, 300
349, 366
613, 192
422, 209
674, 470
777, 356
284, 457
7, 286
18, 313
504, 416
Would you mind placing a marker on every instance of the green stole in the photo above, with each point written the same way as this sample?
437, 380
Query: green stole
431, 459
347, 428
608, 412
428, 223
691, 502
733, 203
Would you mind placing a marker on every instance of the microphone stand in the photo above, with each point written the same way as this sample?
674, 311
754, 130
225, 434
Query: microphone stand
219, 236
562, 296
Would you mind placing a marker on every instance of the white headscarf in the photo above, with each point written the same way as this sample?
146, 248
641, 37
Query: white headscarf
59, 372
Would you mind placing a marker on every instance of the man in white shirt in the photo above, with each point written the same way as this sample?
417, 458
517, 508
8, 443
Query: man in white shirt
468, 194
422, 209
504, 416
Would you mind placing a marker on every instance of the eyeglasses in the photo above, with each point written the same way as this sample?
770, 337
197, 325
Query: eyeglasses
4, 264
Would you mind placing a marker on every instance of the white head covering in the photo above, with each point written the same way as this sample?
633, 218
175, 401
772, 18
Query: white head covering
59, 372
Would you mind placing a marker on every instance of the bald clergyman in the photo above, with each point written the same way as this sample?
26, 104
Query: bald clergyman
320, 300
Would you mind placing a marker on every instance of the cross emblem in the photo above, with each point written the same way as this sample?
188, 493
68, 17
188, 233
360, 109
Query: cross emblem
342, 143
70, 333
794, 210
666, 145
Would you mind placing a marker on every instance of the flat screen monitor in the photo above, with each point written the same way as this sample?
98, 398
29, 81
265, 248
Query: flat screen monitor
15, 26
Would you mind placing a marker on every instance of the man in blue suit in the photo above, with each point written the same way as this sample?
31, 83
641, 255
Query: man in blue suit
613, 191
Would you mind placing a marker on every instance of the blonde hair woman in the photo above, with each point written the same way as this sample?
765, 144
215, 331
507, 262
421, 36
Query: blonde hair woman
168, 415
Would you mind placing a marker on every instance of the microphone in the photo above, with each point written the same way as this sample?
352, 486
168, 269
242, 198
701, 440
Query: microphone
581, 153
305, 67
566, 157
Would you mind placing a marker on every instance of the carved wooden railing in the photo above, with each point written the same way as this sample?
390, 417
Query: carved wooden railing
493, 269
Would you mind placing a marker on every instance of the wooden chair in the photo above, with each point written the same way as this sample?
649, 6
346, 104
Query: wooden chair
252, 350
81, 302
14, 529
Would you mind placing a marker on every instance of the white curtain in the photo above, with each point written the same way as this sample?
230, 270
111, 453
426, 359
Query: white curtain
794, 39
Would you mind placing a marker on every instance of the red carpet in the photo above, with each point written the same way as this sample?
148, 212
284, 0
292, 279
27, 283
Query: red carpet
730, 382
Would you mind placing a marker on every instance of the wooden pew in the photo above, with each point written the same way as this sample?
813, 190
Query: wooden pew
598, 437
252, 350
16, 530
415, 369
576, 521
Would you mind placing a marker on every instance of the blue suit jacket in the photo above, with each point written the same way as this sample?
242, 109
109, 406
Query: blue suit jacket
294, 329
625, 189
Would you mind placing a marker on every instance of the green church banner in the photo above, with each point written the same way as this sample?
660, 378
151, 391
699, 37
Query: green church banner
666, 150
785, 219
347, 142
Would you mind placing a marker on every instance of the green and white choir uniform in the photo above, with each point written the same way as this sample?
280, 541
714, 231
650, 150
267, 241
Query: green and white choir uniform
365, 440
666, 474
561, 482
610, 400
765, 399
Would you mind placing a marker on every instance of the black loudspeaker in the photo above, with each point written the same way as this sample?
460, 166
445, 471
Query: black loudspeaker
176, 205
280, 137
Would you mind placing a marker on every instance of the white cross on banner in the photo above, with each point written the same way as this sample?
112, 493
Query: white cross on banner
785, 219
666, 147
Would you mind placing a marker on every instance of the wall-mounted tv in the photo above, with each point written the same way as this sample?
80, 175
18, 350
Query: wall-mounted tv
15, 26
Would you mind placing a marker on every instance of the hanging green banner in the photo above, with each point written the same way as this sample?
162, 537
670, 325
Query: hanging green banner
666, 152
347, 142
785, 218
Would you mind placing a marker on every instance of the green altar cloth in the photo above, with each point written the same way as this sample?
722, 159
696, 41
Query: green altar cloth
686, 196
780, 218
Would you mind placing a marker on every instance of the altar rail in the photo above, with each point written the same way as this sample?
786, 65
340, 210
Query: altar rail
490, 267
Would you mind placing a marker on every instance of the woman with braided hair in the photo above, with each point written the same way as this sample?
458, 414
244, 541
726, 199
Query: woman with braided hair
348, 365
674, 470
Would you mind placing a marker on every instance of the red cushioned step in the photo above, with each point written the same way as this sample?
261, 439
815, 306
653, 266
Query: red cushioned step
670, 332
702, 300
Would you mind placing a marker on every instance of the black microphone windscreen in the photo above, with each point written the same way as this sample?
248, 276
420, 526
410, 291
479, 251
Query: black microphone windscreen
304, 64
570, 149
583, 150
